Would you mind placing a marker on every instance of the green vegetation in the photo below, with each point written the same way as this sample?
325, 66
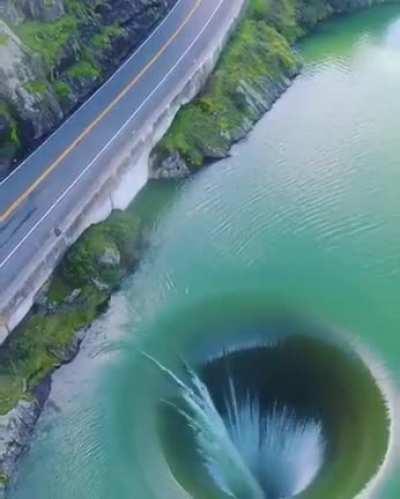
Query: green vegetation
48, 39
62, 90
82, 11
3, 39
259, 58
14, 136
36, 349
84, 70
79, 290
82, 264
37, 87
104, 39
4, 479
10, 142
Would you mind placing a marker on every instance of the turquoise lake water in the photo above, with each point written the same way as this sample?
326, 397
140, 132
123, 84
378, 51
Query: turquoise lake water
302, 221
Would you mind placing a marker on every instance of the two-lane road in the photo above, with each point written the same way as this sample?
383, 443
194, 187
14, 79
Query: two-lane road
40, 193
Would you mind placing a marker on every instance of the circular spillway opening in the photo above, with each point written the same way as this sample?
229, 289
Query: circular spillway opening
297, 416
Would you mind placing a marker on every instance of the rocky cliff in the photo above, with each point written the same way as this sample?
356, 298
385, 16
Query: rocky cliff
54, 54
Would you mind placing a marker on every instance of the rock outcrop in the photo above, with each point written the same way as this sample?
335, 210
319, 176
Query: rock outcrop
173, 166
15, 13
16, 428
20, 71
54, 54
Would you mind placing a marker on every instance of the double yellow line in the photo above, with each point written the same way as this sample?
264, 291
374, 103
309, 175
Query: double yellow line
10, 210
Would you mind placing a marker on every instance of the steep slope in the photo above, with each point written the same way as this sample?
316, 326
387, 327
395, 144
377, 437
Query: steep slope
54, 53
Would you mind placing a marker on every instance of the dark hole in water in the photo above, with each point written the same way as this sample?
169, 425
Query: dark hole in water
324, 421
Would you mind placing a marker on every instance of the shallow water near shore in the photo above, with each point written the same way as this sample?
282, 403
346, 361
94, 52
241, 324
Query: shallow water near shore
277, 268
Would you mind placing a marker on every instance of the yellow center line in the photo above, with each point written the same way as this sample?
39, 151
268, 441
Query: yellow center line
10, 210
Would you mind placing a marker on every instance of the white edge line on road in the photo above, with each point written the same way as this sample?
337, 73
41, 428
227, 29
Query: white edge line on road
102, 86
89, 166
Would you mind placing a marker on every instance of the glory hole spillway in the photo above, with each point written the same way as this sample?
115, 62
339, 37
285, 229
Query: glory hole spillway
269, 303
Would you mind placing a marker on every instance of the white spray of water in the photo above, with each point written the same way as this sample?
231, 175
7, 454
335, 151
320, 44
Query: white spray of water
250, 455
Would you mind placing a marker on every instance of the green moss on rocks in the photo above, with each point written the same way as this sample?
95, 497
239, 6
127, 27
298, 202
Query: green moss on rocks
63, 91
103, 254
10, 143
84, 70
103, 40
4, 479
49, 39
3, 39
83, 11
37, 87
6, 114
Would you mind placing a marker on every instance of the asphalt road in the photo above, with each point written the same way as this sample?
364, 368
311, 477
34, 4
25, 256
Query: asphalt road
39, 194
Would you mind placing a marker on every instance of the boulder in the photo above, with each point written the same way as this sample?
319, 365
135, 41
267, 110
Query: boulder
111, 257
173, 166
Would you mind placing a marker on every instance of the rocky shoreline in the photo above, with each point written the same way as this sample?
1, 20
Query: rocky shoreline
260, 101
18, 425
16, 429
94, 267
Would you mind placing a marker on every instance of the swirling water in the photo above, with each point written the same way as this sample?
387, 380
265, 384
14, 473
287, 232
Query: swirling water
304, 215
249, 453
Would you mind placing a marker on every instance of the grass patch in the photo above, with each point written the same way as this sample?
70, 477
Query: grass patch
36, 87
37, 348
62, 90
260, 52
82, 264
4, 479
3, 39
82, 11
10, 142
103, 40
84, 70
48, 39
